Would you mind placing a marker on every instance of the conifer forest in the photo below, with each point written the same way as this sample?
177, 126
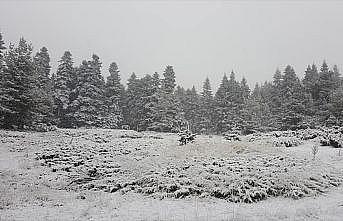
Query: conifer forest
103, 138
77, 95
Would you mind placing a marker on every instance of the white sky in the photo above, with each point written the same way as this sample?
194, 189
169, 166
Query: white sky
199, 38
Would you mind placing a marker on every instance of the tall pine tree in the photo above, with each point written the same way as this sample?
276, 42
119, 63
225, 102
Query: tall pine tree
89, 109
115, 92
16, 98
43, 87
206, 108
64, 83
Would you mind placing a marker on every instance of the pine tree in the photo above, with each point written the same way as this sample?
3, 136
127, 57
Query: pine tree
336, 104
245, 89
168, 83
157, 81
16, 100
336, 76
168, 115
130, 111
2, 80
42, 92
294, 100
115, 92
180, 93
255, 109
310, 81
326, 84
235, 104
89, 109
206, 108
247, 123
277, 78
2, 52
64, 83
220, 105
191, 110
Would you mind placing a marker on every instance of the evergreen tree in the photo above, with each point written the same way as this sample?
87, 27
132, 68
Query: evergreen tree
42, 92
191, 105
247, 123
245, 89
326, 84
168, 83
167, 115
336, 104
277, 78
255, 108
89, 109
115, 92
206, 108
220, 104
272, 97
16, 100
234, 105
129, 110
294, 100
2, 80
180, 93
157, 81
2, 52
336, 76
310, 81
64, 83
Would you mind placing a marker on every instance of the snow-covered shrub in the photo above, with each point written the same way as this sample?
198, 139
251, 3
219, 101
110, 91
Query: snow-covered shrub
246, 177
231, 137
185, 137
286, 142
308, 134
42, 127
332, 137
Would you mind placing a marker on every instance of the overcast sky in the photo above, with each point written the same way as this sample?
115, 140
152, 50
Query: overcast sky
198, 38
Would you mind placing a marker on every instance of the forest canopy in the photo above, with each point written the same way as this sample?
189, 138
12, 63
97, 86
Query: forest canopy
79, 96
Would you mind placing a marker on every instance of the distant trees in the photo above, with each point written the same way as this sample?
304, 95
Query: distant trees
80, 97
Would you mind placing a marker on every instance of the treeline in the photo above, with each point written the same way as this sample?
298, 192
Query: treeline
79, 96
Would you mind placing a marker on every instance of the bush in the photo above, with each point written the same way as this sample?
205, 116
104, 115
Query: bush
286, 142
42, 127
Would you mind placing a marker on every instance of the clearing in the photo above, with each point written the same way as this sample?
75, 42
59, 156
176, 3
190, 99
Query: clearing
99, 174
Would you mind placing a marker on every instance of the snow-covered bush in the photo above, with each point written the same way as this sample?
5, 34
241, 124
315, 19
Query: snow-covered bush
185, 137
332, 137
41, 127
308, 134
127, 165
232, 137
286, 142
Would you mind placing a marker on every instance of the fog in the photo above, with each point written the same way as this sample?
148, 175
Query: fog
198, 38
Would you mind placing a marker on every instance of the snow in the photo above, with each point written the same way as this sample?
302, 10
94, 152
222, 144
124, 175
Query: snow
151, 177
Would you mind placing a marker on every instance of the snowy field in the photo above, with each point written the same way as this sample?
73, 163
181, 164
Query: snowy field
89, 174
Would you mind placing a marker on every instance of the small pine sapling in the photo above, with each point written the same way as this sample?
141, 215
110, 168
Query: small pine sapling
315, 149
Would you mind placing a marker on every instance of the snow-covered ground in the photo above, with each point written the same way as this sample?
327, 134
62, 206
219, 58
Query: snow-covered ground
124, 175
